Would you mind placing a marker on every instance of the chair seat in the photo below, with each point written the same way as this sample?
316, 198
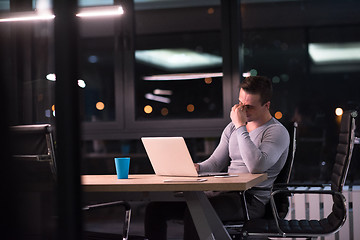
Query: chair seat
290, 226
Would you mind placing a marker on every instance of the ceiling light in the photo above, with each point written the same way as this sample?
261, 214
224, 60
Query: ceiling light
153, 97
101, 11
105, 11
162, 92
28, 16
334, 53
177, 59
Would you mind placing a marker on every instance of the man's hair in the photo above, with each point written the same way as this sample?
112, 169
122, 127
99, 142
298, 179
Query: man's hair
258, 85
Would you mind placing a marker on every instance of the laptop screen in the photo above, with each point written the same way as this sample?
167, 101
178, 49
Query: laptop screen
169, 156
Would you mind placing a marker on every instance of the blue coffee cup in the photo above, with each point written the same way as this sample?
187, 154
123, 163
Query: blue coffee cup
122, 167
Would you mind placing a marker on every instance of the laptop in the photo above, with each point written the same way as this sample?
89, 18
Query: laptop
169, 156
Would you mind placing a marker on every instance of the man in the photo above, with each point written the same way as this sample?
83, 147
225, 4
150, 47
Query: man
252, 142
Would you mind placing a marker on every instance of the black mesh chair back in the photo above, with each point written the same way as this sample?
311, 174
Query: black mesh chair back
285, 173
278, 227
33, 150
281, 199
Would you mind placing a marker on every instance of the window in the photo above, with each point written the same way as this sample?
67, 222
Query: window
313, 61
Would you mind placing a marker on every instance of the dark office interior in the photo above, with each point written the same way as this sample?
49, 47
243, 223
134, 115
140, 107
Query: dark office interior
166, 68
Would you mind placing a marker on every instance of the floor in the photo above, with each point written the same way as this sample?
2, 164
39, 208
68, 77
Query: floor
110, 220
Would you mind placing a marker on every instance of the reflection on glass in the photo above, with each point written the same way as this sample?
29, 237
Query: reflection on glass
177, 59
196, 98
335, 53
182, 82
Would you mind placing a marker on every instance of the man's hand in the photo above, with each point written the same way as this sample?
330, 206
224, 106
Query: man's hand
197, 167
238, 115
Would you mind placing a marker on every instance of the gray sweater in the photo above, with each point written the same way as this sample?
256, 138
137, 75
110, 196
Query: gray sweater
263, 150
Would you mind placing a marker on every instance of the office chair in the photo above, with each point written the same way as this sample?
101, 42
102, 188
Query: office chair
33, 156
311, 229
33, 149
97, 235
281, 200
92, 235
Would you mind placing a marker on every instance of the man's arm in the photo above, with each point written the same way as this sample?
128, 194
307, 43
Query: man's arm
259, 159
219, 159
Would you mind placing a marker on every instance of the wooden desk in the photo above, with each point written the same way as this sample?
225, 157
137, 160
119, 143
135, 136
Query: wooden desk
207, 223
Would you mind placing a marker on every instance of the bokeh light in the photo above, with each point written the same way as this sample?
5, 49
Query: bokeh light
164, 111
47, 113
81, 83
253, 72
93, 59
208, 80
148, 109
51, 77
276, 79
339, 111
190, 108
246, 74
278, 115
100, 106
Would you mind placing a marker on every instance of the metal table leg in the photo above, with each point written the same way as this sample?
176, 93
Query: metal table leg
206, 220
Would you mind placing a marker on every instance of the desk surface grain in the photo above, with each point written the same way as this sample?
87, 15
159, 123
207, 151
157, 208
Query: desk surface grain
152, 183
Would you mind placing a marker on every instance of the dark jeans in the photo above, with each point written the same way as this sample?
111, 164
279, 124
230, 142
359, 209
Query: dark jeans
227, 205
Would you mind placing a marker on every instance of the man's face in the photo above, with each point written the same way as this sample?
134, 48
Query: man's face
252, 103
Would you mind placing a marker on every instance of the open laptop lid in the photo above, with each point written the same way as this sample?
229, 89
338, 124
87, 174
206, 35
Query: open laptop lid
169, 156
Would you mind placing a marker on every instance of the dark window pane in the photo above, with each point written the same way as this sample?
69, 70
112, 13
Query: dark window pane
178, 75
96, 69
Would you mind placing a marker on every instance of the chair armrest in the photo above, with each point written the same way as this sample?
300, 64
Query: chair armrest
39, 158
307, 191
309, 185
124, 204
291, 192
260, 189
